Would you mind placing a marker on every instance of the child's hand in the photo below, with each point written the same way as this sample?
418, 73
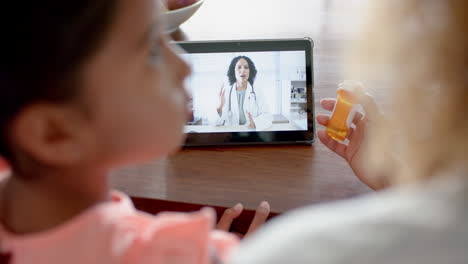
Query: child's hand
353, 153
261, 215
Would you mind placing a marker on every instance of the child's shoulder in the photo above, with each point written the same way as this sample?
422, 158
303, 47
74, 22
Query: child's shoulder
187, 237
120, 215
116, 232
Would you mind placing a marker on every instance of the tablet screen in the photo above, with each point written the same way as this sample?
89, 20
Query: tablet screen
251, 91
247, 91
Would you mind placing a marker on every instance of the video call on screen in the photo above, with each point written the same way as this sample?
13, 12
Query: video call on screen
275, 100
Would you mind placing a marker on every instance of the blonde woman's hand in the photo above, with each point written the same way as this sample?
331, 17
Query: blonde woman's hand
230, 214
353, 152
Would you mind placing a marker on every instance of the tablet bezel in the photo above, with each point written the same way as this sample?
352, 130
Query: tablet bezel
254, 137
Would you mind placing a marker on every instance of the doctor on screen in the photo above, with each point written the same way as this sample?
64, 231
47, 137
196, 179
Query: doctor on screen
239, 102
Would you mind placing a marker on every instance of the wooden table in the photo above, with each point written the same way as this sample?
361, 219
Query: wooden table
286, 176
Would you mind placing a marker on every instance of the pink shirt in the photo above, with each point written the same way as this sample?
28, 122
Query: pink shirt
115, 232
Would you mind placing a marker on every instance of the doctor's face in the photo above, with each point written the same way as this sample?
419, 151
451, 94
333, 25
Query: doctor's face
242, 71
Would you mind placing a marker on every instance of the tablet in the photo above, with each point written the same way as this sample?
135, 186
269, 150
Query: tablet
250, 92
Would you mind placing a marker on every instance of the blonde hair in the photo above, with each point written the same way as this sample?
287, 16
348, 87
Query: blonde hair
421, 48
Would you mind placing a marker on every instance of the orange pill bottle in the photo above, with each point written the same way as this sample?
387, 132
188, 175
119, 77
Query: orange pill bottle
339, 124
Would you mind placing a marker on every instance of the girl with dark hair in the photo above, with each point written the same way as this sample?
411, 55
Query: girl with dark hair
242, 105
88, 86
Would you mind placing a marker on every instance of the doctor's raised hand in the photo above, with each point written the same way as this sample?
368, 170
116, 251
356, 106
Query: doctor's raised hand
353, 151
222, 99
251, 120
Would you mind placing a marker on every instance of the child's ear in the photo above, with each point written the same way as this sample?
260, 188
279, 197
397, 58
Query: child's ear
49, 134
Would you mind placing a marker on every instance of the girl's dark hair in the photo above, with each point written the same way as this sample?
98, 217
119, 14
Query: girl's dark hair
231, 74
43, 45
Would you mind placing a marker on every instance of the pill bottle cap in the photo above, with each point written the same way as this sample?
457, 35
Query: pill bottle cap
350, 86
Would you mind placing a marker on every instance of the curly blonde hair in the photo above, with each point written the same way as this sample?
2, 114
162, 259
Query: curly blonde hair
421, 48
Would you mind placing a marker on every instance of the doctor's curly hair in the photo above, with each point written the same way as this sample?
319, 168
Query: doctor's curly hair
231, 74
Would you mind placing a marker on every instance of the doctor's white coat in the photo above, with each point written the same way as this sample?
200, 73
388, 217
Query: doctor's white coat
258, 108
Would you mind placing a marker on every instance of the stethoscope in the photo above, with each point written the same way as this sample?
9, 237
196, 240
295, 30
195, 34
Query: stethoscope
251, 95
